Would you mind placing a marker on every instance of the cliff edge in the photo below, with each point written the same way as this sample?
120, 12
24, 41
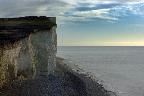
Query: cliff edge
28, 63
27, 47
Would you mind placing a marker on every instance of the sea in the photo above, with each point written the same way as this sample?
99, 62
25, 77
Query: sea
120, 68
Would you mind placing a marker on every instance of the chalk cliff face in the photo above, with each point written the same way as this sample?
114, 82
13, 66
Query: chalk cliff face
27, 48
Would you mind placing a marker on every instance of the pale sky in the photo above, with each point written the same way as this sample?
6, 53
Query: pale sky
87, 22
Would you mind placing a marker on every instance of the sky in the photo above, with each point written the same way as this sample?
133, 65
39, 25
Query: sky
86, 22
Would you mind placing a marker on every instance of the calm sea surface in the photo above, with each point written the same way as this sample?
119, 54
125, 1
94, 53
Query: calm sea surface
121, 68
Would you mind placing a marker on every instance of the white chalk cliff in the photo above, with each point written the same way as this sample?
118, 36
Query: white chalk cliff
27, 49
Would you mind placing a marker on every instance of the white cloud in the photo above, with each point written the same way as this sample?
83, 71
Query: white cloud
11, 8
73, 2
107, 9
126, 9
102, 1
95, 14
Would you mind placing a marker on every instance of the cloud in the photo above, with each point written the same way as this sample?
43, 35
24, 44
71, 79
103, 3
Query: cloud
74, 2
12, 8
96, 6
73, 9
106, 10
92, 14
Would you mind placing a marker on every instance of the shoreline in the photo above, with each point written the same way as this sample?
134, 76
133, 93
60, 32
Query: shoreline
65, 81
92, 85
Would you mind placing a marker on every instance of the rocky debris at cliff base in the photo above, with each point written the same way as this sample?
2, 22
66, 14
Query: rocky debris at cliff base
63, 83
44, 86
91, 85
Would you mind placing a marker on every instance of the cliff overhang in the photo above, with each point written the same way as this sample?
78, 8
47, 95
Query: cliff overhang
13, 29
